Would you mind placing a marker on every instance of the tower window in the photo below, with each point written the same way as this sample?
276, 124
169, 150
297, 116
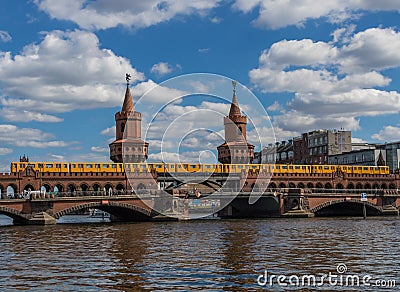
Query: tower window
122, 127
240, 131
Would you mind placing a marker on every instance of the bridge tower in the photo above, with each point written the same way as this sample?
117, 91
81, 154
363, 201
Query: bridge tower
236, 149
128, 139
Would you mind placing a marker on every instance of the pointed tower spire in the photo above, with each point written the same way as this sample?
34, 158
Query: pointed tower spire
381, 160
128, 102
235, 110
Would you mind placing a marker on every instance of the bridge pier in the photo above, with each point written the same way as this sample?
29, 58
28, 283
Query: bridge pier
295, 204
41, 218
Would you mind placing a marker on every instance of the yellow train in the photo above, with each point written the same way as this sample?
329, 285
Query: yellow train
74, 167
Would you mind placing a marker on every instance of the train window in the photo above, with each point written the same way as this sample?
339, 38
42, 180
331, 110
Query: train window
240, 166
254, 166
21, 165
320, 167
80, 165
278, 167
58, 165
49, 165
284, 166
73, 165
65, 165
97, 165
40, 165
359, 168
114, 166
290, 167
365, 168
89, 165
298, 167
208, 166
193, 166
105, 165
158, 166
303, 167
326, 167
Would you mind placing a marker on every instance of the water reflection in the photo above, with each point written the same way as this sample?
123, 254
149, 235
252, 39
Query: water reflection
213, 255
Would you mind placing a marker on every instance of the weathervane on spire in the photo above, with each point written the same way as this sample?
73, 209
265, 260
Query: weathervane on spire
234, 86
128, 78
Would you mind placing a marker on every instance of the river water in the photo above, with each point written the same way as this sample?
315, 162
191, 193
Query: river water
211, 255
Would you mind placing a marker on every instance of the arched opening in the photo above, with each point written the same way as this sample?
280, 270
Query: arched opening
120, 188
350, 186
96, 189
11, 190
60, 188
300, 185
29, 187
339, 186
2, 194
46, 187
367, 186
272, 186
292, 185
384, 186
375, 186
358, 186
319, 185
71, 188
310, 185
108, 189
328, 186
254, 187
122, 128
84, 188
282, 185
392, 186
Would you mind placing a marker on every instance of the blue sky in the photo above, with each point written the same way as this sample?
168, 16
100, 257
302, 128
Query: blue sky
311, 64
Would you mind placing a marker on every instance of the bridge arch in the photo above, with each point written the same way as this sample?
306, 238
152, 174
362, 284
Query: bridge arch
13, 213
346, 208
124, 211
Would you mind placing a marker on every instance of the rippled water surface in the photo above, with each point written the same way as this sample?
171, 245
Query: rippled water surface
213, 255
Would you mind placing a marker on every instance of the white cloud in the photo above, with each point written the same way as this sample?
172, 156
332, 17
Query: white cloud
28, 137
357, 140
277, 14
5, 36
66, 71
103, 14
99, 149
108, 131
5, 151
388, 133
333, 83
163, 68
149, 91
27, 116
